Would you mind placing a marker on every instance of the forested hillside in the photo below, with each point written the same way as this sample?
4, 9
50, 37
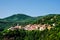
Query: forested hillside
21, 34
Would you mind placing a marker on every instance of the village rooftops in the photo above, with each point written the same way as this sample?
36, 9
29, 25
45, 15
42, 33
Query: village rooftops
32, 27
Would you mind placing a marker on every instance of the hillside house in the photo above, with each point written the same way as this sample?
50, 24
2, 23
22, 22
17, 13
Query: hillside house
14, 28
27, 27
49, 27
42, 27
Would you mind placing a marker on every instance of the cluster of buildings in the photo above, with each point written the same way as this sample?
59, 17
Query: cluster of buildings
37, 27
32, 27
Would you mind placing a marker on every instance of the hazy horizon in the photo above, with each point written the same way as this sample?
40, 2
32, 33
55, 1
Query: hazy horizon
29, 7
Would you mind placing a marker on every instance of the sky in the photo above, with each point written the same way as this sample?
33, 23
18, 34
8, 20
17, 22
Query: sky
29, 7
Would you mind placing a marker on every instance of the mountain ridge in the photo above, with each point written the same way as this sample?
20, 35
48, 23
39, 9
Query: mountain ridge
18, 17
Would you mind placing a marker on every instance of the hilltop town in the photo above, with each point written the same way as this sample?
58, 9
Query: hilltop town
40, 27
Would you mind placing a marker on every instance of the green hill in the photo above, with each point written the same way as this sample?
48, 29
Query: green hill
51, 18
18, 18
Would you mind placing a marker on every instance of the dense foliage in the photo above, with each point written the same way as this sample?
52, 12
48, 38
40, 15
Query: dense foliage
53, 34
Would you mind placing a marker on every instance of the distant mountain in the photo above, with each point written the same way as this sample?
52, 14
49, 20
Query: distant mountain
18, 18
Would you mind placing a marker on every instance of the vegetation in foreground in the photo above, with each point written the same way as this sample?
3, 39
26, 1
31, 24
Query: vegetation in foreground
53, 34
